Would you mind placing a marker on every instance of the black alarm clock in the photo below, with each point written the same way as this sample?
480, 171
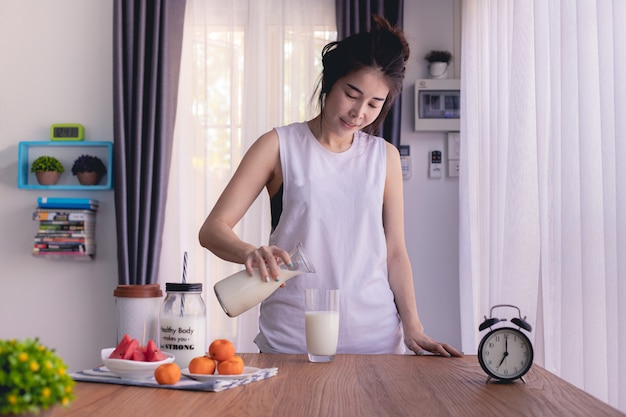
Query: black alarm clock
505, 353
67, 131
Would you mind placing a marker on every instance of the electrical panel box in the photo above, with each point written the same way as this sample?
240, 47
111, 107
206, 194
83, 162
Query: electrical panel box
437, 105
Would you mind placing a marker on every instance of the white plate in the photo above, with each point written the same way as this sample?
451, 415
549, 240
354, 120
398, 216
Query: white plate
127, 369
247, 371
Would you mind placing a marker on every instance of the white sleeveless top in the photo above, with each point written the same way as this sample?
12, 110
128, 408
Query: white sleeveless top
332, 203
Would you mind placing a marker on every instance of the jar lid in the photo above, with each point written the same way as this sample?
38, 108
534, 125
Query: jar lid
180, 287
138, 291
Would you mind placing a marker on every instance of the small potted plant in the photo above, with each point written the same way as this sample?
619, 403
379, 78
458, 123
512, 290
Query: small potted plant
47, 169
88, 169
438, 62
33, 378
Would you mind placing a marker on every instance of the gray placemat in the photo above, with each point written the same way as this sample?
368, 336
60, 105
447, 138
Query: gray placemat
103, 375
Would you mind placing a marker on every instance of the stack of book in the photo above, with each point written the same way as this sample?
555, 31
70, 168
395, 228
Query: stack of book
67, 228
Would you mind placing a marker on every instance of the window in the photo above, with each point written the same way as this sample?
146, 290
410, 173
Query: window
246, 68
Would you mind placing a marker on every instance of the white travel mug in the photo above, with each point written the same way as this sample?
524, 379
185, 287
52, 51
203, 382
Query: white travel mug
137, 311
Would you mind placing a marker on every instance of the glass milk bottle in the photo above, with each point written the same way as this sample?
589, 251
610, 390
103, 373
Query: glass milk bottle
241, 291
183, 322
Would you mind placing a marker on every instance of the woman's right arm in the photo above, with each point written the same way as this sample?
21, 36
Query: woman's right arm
256, 170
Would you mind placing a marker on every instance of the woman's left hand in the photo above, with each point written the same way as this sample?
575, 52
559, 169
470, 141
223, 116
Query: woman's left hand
420, 343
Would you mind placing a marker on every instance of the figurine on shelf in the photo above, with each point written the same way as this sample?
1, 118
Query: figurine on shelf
88, 169
438, 62
47, 169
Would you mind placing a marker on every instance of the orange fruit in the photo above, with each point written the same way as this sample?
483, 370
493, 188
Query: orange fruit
233, 366
167, 374
202, 365
221, 350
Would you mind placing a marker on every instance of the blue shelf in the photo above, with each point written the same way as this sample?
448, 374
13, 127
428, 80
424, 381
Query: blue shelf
66, 153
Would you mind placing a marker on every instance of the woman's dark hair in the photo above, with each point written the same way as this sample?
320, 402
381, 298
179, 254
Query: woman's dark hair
384, 48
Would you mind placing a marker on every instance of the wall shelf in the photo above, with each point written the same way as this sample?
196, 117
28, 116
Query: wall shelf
66, 153
67, 228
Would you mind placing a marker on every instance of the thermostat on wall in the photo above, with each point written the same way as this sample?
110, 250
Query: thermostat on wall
67, 131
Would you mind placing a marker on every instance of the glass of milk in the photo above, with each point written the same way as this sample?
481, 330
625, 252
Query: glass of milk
321, 313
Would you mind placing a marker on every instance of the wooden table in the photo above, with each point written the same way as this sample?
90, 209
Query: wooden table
352, 385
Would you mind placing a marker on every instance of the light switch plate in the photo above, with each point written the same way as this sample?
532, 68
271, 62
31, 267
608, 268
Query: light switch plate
453, 168
454, 145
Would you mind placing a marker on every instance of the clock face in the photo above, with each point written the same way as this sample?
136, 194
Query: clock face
505, 354
67, 131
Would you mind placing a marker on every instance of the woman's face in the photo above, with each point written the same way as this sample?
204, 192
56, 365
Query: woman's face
355, 101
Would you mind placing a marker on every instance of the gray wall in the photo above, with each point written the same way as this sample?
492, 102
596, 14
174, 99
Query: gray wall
431, 205
56, 68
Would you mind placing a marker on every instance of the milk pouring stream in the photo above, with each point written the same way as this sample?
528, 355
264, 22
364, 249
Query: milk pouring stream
240, 292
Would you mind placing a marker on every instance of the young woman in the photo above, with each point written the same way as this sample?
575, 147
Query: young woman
338, 189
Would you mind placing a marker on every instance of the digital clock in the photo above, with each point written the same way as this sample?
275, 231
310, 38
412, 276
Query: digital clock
67, 131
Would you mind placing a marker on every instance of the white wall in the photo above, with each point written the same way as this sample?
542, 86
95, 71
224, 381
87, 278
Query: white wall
57, 68
431, 205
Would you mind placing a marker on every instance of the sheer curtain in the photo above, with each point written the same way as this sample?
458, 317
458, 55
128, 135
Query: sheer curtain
543, 183
247, 67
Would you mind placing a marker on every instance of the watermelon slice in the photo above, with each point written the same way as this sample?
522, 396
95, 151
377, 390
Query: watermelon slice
138, 354
153, 353
130, 350
120, 349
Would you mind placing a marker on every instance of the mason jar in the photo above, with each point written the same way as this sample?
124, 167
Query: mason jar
183, 322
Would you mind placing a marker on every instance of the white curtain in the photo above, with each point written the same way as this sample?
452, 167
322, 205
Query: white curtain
247, 67
543, 181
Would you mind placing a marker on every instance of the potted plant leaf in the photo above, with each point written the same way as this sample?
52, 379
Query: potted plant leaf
438, 62
33, 378
88, 169
47, 169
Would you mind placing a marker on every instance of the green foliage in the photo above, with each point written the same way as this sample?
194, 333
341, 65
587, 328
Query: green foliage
32, 377
438, 56
88, 163
47, 163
